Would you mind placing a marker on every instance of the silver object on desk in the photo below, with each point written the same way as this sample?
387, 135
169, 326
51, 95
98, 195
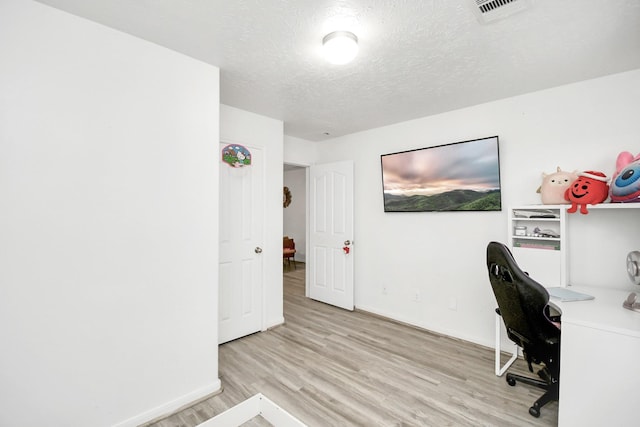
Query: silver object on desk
633, 270
631, 303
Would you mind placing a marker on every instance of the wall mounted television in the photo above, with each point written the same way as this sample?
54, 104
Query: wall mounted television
462, 176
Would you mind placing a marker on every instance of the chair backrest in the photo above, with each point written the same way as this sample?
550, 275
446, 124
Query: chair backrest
522, 303
288, 243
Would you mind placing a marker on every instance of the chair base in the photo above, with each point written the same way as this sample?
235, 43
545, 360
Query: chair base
288, 260
551, 386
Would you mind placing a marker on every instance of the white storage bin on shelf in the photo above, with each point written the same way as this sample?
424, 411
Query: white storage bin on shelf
538, 241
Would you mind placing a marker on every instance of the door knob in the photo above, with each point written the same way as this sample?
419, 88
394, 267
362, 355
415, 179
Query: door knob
258, 250
347, 242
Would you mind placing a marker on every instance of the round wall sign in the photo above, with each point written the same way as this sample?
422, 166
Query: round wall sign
236, 155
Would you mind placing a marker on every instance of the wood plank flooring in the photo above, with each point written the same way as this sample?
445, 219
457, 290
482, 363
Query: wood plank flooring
331, 367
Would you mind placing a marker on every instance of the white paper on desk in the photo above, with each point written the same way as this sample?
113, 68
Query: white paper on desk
564, 294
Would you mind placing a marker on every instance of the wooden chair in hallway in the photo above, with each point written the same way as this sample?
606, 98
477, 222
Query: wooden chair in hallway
289, 250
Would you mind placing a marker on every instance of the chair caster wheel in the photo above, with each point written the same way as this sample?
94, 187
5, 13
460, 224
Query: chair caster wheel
534, 411
511, 381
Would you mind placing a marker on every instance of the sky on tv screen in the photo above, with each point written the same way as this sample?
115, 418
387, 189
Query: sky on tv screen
471, 165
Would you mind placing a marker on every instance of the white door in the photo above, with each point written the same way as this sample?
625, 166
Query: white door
331, 234
241, 239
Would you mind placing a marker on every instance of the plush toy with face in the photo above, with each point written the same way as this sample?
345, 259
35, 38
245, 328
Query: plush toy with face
554, 185
625, 185
590, 188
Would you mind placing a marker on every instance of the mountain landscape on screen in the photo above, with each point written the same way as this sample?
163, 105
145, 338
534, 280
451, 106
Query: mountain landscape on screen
456, 200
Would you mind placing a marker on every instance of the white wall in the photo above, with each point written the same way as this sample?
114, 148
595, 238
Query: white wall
299, 152
108, 230
253, 130
296, 213
442, 255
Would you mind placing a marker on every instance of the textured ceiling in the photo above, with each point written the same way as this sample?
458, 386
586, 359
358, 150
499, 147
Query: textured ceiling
417, 57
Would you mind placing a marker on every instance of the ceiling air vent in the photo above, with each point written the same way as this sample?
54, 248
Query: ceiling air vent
492, 10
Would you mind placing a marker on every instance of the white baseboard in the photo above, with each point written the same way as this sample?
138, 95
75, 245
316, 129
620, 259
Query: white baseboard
172, 406
257, 405
273, 323
432, 328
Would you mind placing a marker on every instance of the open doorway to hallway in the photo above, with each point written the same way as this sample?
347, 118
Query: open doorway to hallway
295, 219
293, 283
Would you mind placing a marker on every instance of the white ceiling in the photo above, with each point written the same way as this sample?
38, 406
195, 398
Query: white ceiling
417, 57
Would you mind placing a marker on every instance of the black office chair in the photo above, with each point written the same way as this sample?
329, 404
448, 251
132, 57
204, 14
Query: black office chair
523, 305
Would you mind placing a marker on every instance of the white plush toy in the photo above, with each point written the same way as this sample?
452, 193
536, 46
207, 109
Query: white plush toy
554, 186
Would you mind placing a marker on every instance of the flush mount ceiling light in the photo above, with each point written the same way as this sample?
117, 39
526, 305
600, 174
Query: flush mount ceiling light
340, 47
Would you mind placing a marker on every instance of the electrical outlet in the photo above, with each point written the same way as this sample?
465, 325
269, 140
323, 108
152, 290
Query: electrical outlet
453, 304
385, 291
416, 295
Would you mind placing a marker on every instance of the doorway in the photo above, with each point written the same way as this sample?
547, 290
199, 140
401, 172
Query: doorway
328, 229
295, 214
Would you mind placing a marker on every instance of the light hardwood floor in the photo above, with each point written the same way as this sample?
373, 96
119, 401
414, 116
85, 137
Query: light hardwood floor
331, 367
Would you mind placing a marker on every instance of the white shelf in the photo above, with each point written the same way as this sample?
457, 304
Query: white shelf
553, 239
544, 258
547, 260
614, 206
564, 207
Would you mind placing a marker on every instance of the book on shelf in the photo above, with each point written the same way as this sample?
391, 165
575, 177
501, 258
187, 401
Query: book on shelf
542, 213
555, 246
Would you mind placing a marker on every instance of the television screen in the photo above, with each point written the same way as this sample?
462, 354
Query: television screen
463, 176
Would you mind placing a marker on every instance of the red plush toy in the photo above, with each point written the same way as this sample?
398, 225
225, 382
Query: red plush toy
590, 188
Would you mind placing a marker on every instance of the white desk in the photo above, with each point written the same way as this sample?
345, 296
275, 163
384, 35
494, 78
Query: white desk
599, 361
